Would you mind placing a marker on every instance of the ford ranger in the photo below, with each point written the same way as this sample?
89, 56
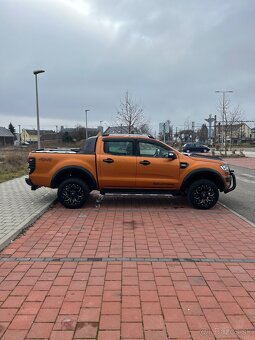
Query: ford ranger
129, 164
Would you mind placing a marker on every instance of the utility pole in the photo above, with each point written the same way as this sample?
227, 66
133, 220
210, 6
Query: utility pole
215, 121
193, 131
86, 113
19, 135
37, 108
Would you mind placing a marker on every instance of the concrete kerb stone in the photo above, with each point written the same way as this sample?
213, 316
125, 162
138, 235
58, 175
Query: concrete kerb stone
20, 207
235, 213
5, 241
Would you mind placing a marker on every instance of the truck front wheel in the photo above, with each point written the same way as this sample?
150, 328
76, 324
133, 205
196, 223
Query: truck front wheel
203, 194
73, 193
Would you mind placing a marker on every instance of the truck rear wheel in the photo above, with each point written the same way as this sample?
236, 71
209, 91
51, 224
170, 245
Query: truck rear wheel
73, 193
203, 194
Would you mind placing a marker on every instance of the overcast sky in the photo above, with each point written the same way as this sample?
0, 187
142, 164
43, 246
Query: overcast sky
171, 55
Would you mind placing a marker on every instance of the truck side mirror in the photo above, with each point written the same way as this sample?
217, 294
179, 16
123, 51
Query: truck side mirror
171, 155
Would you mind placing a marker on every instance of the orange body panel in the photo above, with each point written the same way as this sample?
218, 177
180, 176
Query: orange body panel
125, 171
161, 173
48, 165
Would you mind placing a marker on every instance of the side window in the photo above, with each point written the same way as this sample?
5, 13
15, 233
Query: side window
152, 150
120, 148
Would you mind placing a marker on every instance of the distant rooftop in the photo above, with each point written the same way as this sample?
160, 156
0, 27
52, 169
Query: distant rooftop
34, 132
123, 129
5, 132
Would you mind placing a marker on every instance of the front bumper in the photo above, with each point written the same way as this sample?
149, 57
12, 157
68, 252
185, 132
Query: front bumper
232, 182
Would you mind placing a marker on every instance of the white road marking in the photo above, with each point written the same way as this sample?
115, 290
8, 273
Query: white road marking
248, 175
239, 178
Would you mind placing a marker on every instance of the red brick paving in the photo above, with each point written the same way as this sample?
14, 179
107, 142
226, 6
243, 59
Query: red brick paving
153, 230
245, 162
125, 299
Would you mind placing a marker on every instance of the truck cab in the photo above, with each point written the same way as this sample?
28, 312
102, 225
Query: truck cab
129, 163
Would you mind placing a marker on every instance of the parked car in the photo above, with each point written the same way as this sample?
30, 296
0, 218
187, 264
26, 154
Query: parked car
129, 163
195, 147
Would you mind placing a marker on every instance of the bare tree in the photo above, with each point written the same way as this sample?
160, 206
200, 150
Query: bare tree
235, 116
145, 128
187, 124
230, 117
131, 115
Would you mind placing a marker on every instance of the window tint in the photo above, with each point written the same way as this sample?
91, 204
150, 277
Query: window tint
90, 146
121, 148
153, 150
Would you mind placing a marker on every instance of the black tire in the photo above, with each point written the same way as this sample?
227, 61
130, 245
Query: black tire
73, 193
203, 194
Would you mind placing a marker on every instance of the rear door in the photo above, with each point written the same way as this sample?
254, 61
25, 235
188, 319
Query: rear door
117, 163
193, 147
154, 169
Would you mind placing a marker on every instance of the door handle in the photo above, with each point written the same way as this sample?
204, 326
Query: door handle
145, 162
108, 160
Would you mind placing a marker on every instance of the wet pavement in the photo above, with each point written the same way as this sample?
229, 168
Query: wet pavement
20, 207
124, 267
244, 162
130, 267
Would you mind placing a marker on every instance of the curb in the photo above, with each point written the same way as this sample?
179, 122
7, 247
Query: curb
25, 224
240, 216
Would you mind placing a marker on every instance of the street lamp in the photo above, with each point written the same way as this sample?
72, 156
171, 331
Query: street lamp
86, 112
224, 118
37, 108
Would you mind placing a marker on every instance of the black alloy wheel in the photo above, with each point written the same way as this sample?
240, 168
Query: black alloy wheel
73, 193
203, 194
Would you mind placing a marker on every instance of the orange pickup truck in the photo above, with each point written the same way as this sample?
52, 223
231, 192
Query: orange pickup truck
129, 164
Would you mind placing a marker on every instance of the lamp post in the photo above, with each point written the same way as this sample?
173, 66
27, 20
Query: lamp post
37, 108
86, 112
224, 118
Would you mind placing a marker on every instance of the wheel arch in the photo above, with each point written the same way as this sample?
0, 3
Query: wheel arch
208, 174
74, 171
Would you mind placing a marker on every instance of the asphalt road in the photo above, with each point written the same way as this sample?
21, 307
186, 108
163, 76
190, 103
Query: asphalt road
242, 199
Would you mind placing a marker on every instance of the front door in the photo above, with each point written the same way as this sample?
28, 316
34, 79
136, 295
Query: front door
117, 163
154, 169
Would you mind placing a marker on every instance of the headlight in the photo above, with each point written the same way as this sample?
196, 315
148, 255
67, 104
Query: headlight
225, 167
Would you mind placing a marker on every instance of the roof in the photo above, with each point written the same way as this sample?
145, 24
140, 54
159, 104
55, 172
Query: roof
234, 125
121, 135
50, 136
34, 132
5, 132
118, 129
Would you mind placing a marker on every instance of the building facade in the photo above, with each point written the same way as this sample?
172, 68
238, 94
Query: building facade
6, 137
233, 133
30, 136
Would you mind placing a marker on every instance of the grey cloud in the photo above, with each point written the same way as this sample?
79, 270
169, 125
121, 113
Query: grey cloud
170, 55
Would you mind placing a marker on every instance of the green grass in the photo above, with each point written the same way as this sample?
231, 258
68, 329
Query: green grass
7, 174
13, 164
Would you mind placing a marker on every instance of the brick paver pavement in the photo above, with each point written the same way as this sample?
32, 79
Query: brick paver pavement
130, 268
19, 207
245, 162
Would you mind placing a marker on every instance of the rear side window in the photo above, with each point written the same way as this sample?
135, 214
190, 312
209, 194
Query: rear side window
119, 148
89, 147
